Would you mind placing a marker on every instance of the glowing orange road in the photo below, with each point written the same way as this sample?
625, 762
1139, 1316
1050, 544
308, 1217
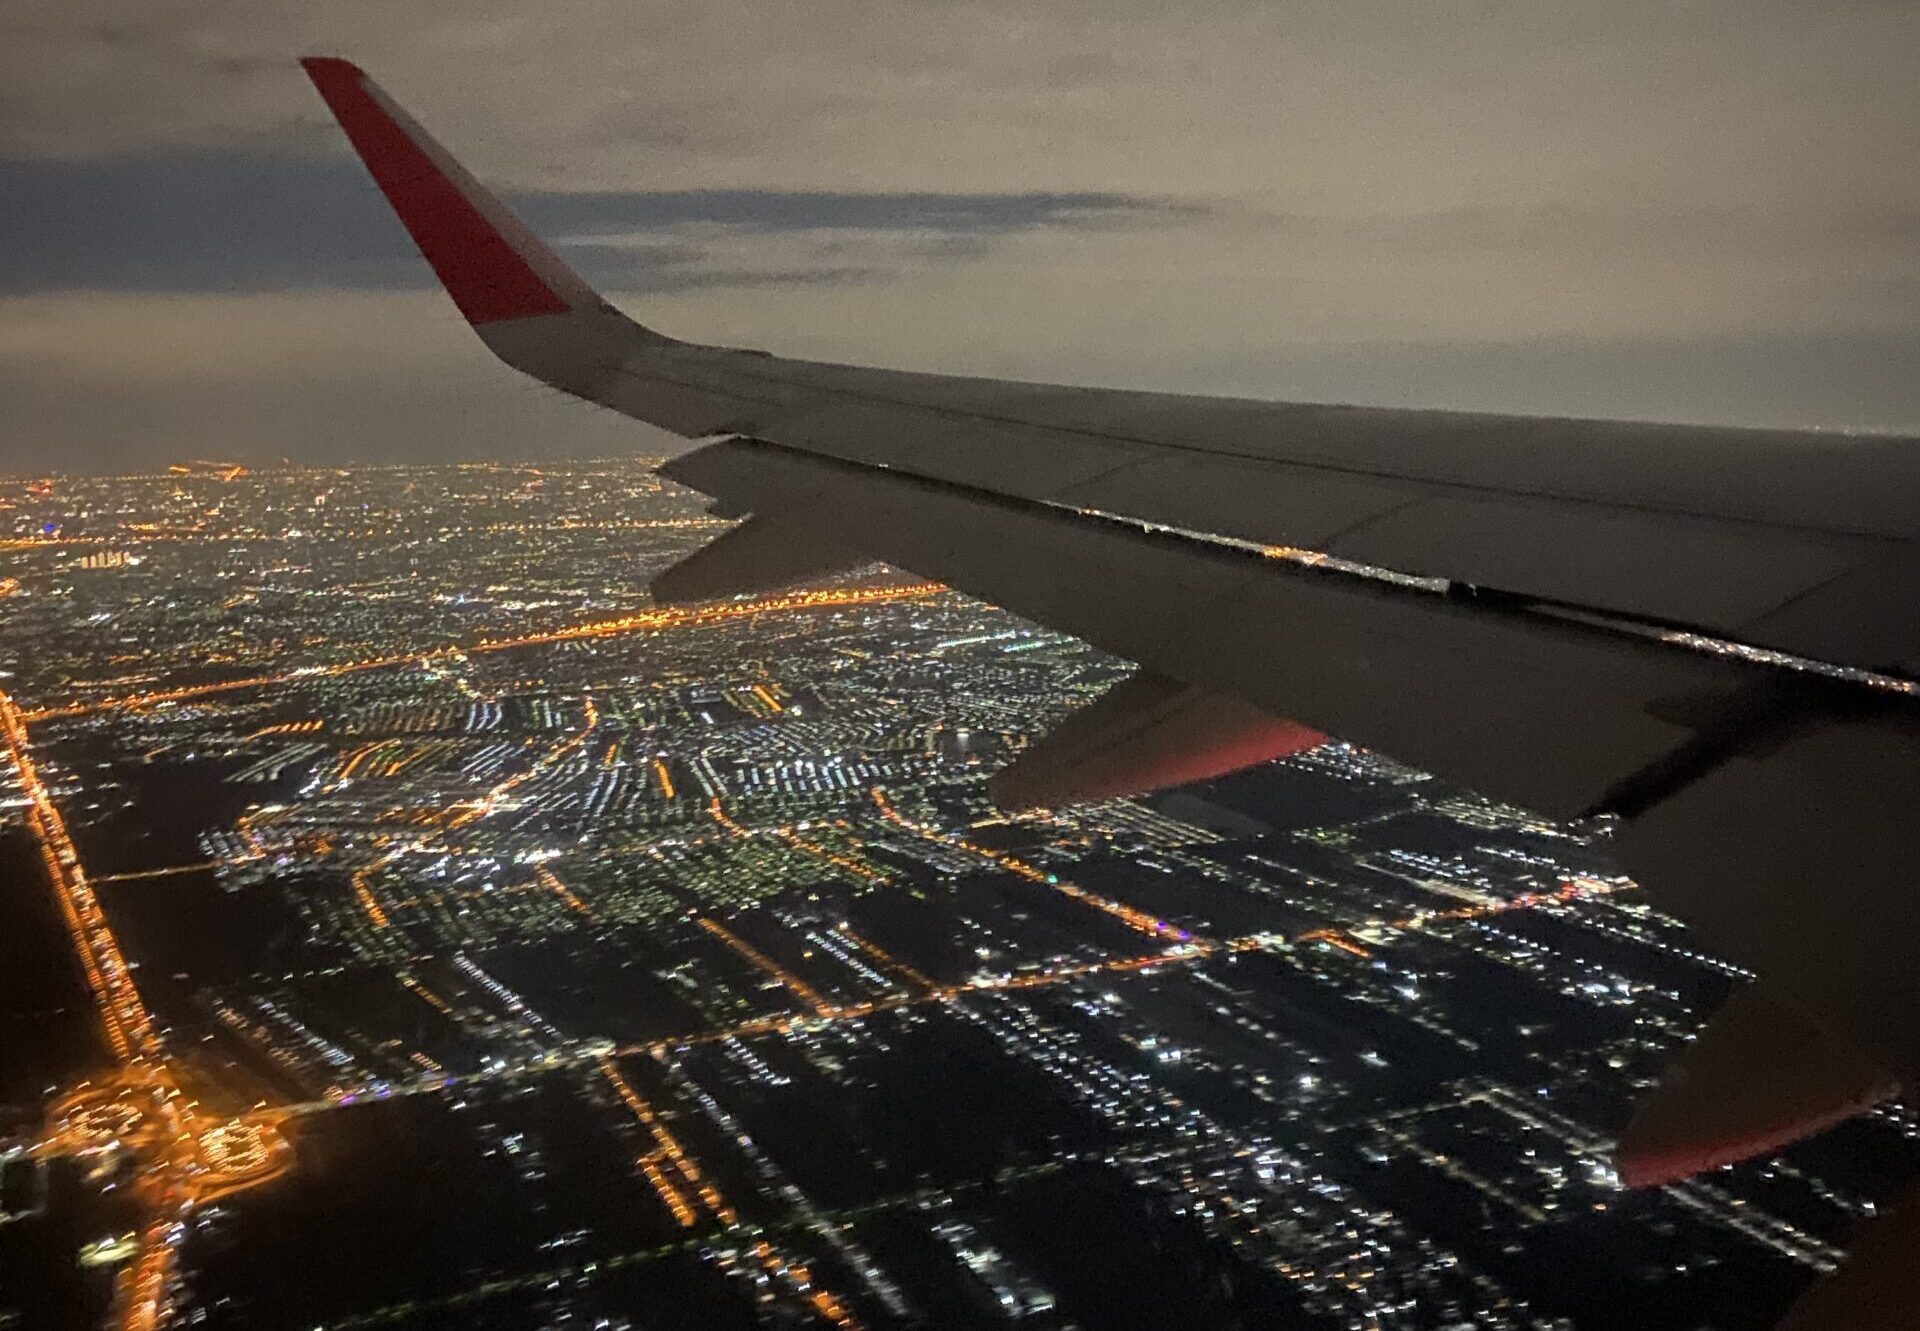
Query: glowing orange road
834, 858
178, 535
798, 842
883, 956
718, 612
368, 902
1134, 919
129, 1027
785, 1022
128, 538
168, 871
1018, 982
718, 812
667, 1149
306, 727
1058, 973
1181, 954
1334, 938
551, 881
669, 617
353, 760
793, 983
428, 997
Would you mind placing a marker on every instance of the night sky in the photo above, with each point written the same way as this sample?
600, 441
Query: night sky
1704, 210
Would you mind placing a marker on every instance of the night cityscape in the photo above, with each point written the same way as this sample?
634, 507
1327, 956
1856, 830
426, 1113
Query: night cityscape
410, 925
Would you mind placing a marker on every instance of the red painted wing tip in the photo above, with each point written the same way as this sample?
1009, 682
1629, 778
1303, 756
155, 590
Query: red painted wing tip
456, 224
323, 69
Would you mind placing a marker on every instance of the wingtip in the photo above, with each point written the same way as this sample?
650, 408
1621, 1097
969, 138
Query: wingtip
330, 68
494, 268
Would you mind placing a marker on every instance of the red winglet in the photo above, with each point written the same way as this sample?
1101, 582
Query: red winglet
491, 265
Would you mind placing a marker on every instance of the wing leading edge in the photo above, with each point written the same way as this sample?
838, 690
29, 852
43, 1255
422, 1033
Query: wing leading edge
1547, 652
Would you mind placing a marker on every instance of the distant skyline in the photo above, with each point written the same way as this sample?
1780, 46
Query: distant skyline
1705, 211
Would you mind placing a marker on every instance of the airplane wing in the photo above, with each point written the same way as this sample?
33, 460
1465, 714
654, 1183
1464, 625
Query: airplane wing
1707, 633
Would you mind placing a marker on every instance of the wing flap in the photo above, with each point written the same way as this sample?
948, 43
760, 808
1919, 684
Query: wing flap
1248, 501
1878, 1288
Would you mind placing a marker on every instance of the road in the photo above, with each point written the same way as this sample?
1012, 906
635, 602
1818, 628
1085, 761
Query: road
667, 617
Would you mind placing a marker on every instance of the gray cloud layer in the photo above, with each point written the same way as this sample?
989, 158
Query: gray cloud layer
1705, 210
208, 220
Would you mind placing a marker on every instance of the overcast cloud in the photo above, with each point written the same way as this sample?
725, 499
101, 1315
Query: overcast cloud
1699, 209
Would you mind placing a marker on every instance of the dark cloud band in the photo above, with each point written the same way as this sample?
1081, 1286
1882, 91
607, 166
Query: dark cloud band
211, 221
